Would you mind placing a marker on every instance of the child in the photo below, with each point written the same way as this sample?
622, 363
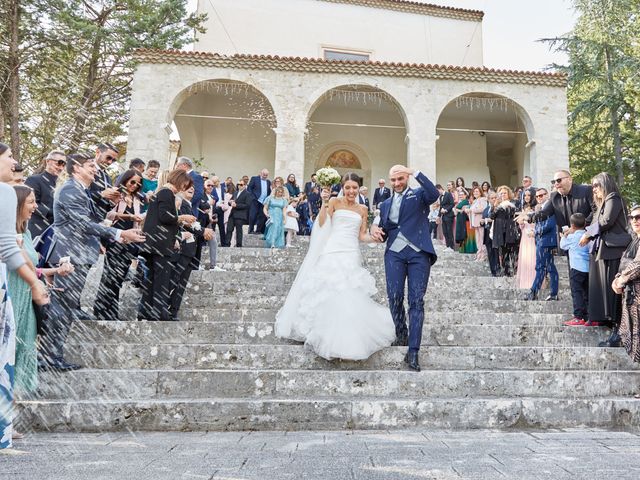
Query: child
433, 219
579, 273
291, 225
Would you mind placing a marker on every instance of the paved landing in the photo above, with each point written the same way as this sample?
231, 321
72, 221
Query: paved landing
414, 454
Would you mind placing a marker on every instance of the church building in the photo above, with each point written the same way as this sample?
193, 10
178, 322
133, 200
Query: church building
360, 85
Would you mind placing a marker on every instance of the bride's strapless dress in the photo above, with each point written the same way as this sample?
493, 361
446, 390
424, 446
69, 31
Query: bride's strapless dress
329, 306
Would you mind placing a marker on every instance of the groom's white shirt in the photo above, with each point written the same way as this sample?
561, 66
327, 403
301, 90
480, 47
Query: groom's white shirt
394, 215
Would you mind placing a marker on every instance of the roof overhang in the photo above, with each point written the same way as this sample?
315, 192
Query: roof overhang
420, 8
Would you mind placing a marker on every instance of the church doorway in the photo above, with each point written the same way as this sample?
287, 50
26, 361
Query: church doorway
482, 136
355, 128
227, 127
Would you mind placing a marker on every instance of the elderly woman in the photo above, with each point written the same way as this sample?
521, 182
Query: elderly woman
608, 231
627, 283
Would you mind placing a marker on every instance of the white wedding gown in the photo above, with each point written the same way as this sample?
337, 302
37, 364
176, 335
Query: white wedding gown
329, 306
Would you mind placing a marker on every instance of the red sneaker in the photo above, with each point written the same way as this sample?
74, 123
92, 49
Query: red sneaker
575, 322
590, 323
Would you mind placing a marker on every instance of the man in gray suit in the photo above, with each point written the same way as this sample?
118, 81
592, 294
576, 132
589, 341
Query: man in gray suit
77, 236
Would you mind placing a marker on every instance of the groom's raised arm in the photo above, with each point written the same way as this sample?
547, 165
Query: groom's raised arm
429, 192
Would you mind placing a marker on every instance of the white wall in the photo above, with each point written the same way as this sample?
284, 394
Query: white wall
302, 27
461, 154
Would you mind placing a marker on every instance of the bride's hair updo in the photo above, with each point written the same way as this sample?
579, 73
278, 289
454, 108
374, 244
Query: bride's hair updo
350, 176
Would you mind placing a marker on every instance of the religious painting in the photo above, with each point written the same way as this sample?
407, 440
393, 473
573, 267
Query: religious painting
343, 159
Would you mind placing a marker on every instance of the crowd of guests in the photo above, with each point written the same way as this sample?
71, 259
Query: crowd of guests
518, 232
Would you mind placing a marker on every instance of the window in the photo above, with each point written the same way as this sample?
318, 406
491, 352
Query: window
342, 55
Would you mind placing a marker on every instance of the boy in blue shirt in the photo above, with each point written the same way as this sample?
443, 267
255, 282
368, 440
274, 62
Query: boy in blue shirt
579, 273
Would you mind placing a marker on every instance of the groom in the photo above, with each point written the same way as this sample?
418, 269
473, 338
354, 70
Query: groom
404, 222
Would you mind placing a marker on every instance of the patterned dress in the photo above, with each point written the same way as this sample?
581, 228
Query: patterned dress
274, 235
7, 361
26, 328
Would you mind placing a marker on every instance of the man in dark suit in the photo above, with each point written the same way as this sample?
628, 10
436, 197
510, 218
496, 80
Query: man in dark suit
77, 235
569, 198
446, 213
363, 199
43, 186
527, 185
186, 164
259, 189
381, 193
335, 190
239, 215
492, 253
315, 201
103, 194
217, 192
309, 185
546, 242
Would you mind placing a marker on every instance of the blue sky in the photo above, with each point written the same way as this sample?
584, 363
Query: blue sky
511, 28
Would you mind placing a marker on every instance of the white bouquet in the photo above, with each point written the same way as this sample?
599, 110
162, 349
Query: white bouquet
328, 177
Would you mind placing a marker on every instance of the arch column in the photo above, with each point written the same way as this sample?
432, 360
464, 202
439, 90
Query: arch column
421, 144
290, 148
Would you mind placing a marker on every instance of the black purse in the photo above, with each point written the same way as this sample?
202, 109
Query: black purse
617, 240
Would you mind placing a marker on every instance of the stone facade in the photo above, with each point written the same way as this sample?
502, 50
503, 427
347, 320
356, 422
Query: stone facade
294, 88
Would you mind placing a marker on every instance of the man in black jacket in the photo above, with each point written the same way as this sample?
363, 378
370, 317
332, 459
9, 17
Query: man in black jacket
43, 186
446, 213
103, 194
569, 198
239, 215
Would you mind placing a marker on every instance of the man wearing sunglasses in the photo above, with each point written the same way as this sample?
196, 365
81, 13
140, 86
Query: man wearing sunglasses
103, 194
43, 185
567, 199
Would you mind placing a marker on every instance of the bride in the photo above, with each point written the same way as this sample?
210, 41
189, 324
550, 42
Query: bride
329, 306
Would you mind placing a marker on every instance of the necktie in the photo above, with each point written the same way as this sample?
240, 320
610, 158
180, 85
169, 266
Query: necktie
91, 206
567, 209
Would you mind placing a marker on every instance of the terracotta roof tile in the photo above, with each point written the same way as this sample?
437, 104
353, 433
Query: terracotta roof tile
418, 7
316, 65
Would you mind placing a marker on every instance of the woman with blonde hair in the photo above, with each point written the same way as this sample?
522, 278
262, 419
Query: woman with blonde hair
275, 211
505, 231
279, 182
476, 210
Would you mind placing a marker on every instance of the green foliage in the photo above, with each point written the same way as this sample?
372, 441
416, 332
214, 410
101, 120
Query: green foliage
77, 66
604, 60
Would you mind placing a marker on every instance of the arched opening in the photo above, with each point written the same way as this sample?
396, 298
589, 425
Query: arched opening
482, 136
355, 128
227, 127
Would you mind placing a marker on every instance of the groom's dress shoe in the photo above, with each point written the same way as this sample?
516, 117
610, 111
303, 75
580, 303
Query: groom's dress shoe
411, 359
401, 342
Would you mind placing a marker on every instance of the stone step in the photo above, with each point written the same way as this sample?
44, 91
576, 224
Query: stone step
151, 333
434, 302
298, 357
322, 384
216, 414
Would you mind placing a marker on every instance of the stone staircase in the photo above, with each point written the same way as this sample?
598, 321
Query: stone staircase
489, 359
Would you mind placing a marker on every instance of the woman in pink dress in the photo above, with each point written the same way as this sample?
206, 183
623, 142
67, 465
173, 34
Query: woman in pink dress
526, 272
477, 208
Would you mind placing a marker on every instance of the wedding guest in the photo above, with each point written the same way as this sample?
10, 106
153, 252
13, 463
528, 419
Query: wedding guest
43, 185
363, 198
239, 216
627, 283
578, 270
150, 179
546, 242
310, 185
460, 211
78, 233
527, 186
275, 211
434, 215
205, 175
186, 164
161, 227
381, 193
103, 194
259, 187
219, 193
226, 208
315, 201
485, 187
11, 259
609, 233
292, 186
291, 225
505, 230
279, 182
487, 222
460, 183
118, 256
447, 214
476, 210
136, 164
526, 271
26, 361
304, 215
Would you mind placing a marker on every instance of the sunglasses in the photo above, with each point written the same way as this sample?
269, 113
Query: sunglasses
205, 177
634, 218
558, 180
109, 158
540, 196
241, 184
61, 163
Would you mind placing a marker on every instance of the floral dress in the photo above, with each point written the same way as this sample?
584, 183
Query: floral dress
7, 361
274, 235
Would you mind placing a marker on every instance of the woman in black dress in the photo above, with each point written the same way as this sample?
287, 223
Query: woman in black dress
505, 231
610, 237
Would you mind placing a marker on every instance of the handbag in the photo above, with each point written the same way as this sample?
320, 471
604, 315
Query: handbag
617, 240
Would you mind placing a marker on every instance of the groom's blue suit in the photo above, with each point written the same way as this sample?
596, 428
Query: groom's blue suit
408, 256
